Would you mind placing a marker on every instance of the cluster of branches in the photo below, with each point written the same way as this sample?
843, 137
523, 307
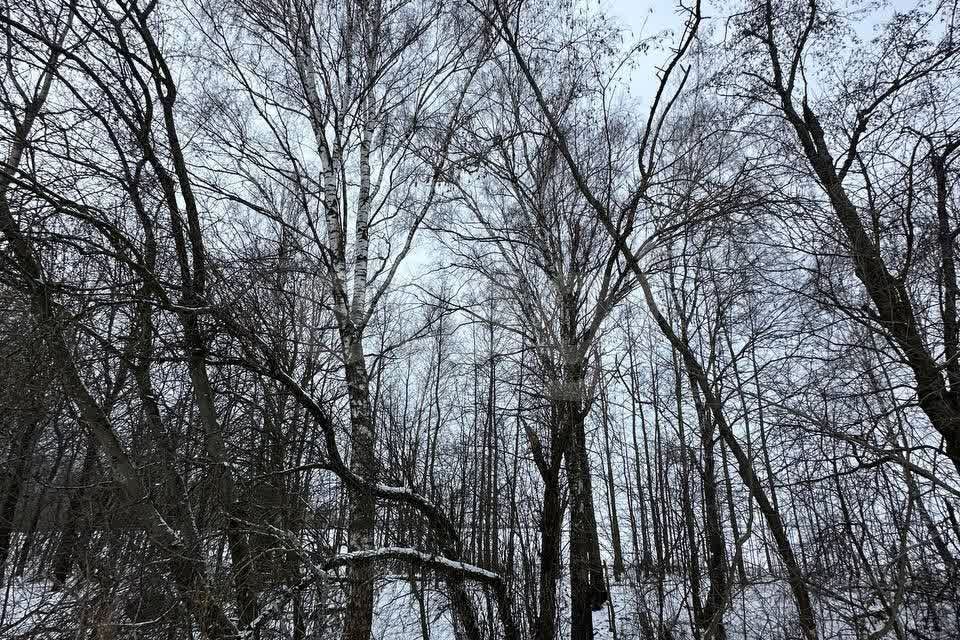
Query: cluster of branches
310, 303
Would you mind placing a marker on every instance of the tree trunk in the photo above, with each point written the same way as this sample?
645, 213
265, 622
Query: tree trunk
18, 459
362, 518
711, 620
611, 491
73, 530
551, 526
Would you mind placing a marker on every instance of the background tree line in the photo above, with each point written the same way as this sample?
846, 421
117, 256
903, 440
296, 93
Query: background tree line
393, 318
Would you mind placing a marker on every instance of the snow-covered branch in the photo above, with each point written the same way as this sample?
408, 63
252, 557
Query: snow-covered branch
437, 562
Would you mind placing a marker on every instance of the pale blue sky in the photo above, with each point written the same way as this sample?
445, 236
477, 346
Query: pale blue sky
647, 18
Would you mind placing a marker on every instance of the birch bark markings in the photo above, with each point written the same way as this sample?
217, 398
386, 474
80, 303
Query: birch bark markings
172, 298
346, 88
350, 316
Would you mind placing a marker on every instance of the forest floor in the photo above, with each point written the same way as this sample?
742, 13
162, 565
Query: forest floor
762, 611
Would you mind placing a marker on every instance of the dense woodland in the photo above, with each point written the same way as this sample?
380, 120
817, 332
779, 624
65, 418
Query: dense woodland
480, 319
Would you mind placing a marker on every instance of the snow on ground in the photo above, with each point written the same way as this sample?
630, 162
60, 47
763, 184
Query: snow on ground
397, 612
27, 606
763, 610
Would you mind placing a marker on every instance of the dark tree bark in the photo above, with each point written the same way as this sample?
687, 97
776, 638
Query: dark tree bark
15, 475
